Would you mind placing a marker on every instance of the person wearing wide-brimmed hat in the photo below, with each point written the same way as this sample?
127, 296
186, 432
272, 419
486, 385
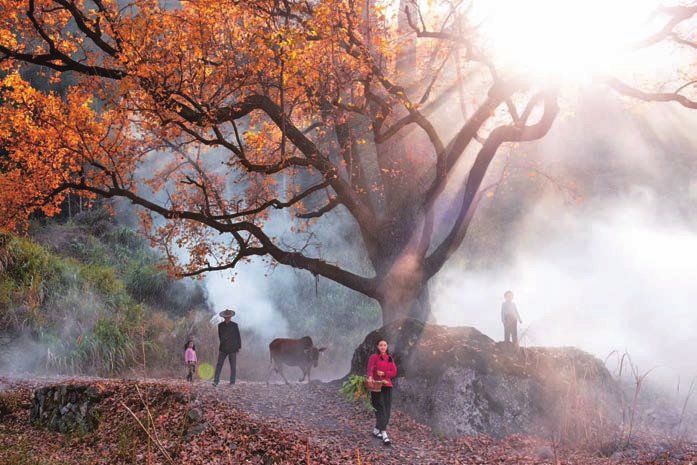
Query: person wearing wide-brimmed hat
230, 344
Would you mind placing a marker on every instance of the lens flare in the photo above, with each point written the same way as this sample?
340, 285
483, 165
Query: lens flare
205, 371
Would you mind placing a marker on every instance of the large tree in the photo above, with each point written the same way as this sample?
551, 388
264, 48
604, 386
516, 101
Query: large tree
317, 107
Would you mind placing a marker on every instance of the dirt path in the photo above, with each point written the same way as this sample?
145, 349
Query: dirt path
318, 412
250, 423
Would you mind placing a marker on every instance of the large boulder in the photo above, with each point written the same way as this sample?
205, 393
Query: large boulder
461, 382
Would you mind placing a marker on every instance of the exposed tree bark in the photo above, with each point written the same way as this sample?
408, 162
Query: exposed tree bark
404, 302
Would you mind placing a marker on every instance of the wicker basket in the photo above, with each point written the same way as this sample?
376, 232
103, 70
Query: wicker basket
373, 385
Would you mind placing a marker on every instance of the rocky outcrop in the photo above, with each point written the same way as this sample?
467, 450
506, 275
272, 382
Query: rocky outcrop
461, 382
66, 408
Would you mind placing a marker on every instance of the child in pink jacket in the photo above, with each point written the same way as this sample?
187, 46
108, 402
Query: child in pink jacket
190, 360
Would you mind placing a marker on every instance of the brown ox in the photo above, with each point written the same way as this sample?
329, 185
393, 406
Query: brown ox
295, 353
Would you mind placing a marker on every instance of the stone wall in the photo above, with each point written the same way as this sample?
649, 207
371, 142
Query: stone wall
66, 408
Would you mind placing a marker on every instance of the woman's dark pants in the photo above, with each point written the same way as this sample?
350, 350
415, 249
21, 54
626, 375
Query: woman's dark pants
382, 403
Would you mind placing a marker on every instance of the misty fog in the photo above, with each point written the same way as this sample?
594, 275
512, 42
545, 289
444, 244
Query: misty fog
610, 269
613, 270
607, 268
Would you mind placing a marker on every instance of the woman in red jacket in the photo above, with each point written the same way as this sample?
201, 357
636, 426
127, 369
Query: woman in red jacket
382, 368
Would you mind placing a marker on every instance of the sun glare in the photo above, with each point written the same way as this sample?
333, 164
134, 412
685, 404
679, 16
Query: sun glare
568, 39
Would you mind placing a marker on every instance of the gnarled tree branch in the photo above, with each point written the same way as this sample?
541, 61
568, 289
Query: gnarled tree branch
295, 259
630, 91
472, 192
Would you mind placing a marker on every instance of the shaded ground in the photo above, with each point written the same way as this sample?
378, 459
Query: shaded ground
253, 424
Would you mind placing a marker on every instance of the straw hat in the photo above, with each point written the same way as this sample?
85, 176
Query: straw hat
227, 313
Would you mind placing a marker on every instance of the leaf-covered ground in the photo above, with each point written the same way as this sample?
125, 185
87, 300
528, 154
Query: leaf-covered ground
250, 423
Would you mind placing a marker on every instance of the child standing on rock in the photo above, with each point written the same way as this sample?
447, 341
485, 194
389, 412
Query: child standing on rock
190, 360
510, 318
381, 368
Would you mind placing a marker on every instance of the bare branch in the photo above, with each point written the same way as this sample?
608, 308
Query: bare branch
315, 266
497, 94
677, 14
394, 129
358, 49
243, 253
681, 41
685, 86
472, 192
349, 198
273, 203
629, 91
333, 203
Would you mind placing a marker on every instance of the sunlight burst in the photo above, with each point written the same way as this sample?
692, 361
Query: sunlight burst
566, 39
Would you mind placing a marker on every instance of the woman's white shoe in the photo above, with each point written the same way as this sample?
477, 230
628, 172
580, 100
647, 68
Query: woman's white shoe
385, 440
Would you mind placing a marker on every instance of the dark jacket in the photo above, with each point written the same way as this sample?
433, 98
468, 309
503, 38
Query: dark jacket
229, 335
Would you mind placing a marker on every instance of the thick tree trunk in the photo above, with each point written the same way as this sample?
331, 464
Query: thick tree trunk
415, 305
404, 290
421, 309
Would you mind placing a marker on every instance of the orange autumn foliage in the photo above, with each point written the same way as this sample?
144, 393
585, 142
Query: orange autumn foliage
215, 115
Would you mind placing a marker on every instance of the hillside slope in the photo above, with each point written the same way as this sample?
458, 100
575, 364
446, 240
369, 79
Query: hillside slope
89, 296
